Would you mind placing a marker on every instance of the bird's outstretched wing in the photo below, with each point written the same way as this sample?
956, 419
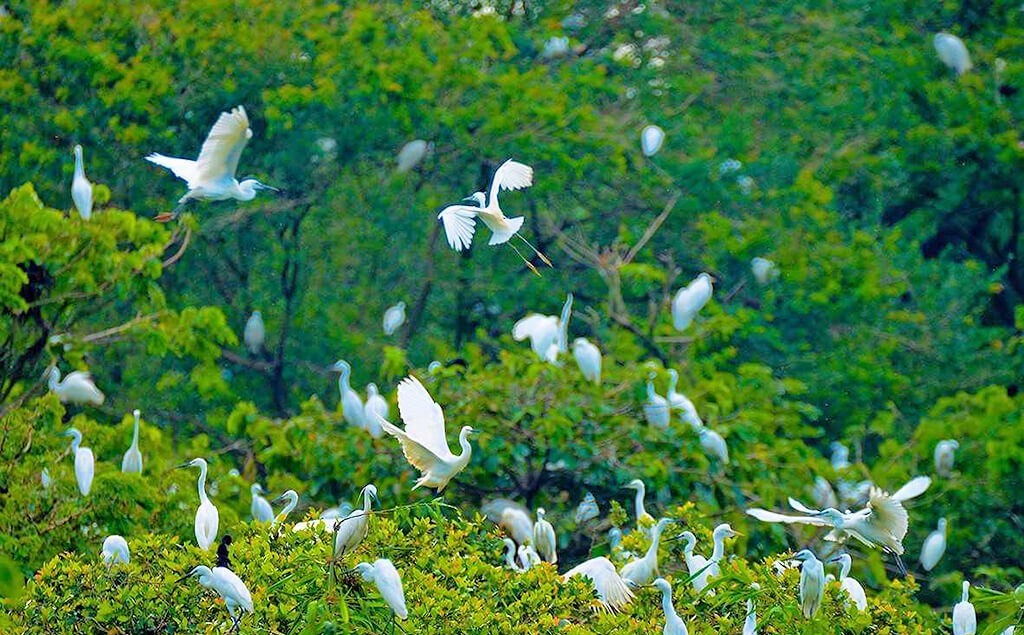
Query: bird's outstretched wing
800, 507
914, 488
223, 146
419, 456
510, 175
543, 331
611, 589
773, 517
459, 225
184, 169
423, 418
888, 514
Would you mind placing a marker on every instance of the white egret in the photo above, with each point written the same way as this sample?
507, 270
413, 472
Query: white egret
750, 623
352, 528
260, 508
351, 404
548, 334
587, 509
656, 409
517, 523
375, 409
714, 445
132, 461
423, 440
255, 333
812, 582
764, 270
680, 402
945, 455
965, 621
588, 357
394, 318
207, 517
77, 387
412, 154
544, 538
840, 456
44, 477
673, 624
643, 519
211, 177
228, 585
527, 557
460, 220
696, 564
823, 494
718, 537
934, 546
555, 47
85, 464
81, 188
689, 300
293, 500
510, 554
612, 591
852, 587
952, 52
115, 550
651, 138
644, 569
389, 583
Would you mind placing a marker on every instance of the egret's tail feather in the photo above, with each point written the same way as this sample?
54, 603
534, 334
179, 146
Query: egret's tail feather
504, 235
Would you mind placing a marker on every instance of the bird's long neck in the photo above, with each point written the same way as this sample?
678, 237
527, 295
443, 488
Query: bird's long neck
79, 164
673, 379
639, 505
510, 558
652, 551
666, 604
650, 390
292, 502
54, 380
245, 191
76, 440
967, 592
844, 569
201, 485
367, 501
135, 433
719, 549
343, 381
467, 449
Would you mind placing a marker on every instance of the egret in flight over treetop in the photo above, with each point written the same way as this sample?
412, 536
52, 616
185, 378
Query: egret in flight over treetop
549, 335
77, 387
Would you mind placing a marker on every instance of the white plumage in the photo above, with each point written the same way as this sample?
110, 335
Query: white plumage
389, 583
718, 537
351, 404
255, 333
714, 445
207, 517
750, 623
260, 508
77, 387
229, 586
612, 590
351, 529
291, 500
643, 519
689, 300
656, 409
651, 138
81, 188
85, 464
850, 586
673, 624
680, 402
132, 461
544, 538
696, 564
812, 582
764, 270
587, 509
644, 569
394, 318
952, 52
945, 456
965, 620
115, 550
412, 154
375, 409
934, 546
549, 335
588, 357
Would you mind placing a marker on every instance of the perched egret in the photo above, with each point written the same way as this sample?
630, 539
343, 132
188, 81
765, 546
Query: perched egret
85, 464
352, 528
764, 270
823, 494
389, 583
696, 564
952, 52
132, 461
77, 387
656, 410
812, 582
651, 138
207, 517
115, 550
673, 624
423, 440
689, 300
375, 409
945, 454
852, 587
840, 456
293, 500
714, 445
255, 333
750, 623
528, 557
412, 154
614, 538
643, 519
934, 546
718, 537
965, 621
394, 318
351, 404
460, 220
260, 508
612, 591
588, 510
81, 188
44, 477
211, 177
517, 523
544, 538
510, 554
228, 585
644, 569
588, 357
549, 335
680, 402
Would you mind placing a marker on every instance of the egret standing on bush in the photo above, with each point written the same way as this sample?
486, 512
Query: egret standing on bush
81, 188
260, 507
207, 517
544, 538
255, 333
643, 519
696, 564
965, 620
612, 591
351, 404
945, 455
375, 409
383, 574
644, 569
953, 52
812, 582
293, 500
132, 461
680, 402
115, 550
588, 357
85, 464
228, 585
673, 624
656, 410
352, 528
852, 587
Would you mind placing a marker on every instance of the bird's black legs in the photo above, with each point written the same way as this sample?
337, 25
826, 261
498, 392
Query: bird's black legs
536, 251
899, 563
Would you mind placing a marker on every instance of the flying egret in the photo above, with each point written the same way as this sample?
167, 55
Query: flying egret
132, 461
544, 538
115, 550
293, 500
718, 537
696, 564
952, 52
588, 510
44, 477
945, 455
375, 409
934, 546
423, 440
644, 569
812, 582
260, 508
394, 318
77, 387
85, 464
352, 528
656, 409
389, 583
211, 177
207, 517
764, 270
680, 402
548, 334
612, 591
689, 300
351, 404
588, 357
412, 154
651, 138
673, 624
81, 188
255, 333
965, 621
460, 220
750, 623
228, 585
643, 519
852, 587
510, 554
714, 445
840, 456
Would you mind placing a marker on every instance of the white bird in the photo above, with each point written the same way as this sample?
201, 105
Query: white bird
952, 52
255, 333
812, 582
934, 546
656, 409
945, 455
588, 510
750, 623
588, 357
207, 517
389, 583
680, 402
823, 494
544, 538
375, 409
394, 318
77, 387
643, 519
351, 404
714, 445
612, 591
840, 456
423, 440
852, 587
44, 477
460, 220
293, 500
549, 335
228, 585
528, 557
211, 177
696, 564
651, 138
132, 461
260, 508
965, 621
510, 554
555, 47
412, 154
516, 522
81, 188
689, 300
718, 537
115, 550
352, 528
85, 464
644, 569
673, 624
764, 270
